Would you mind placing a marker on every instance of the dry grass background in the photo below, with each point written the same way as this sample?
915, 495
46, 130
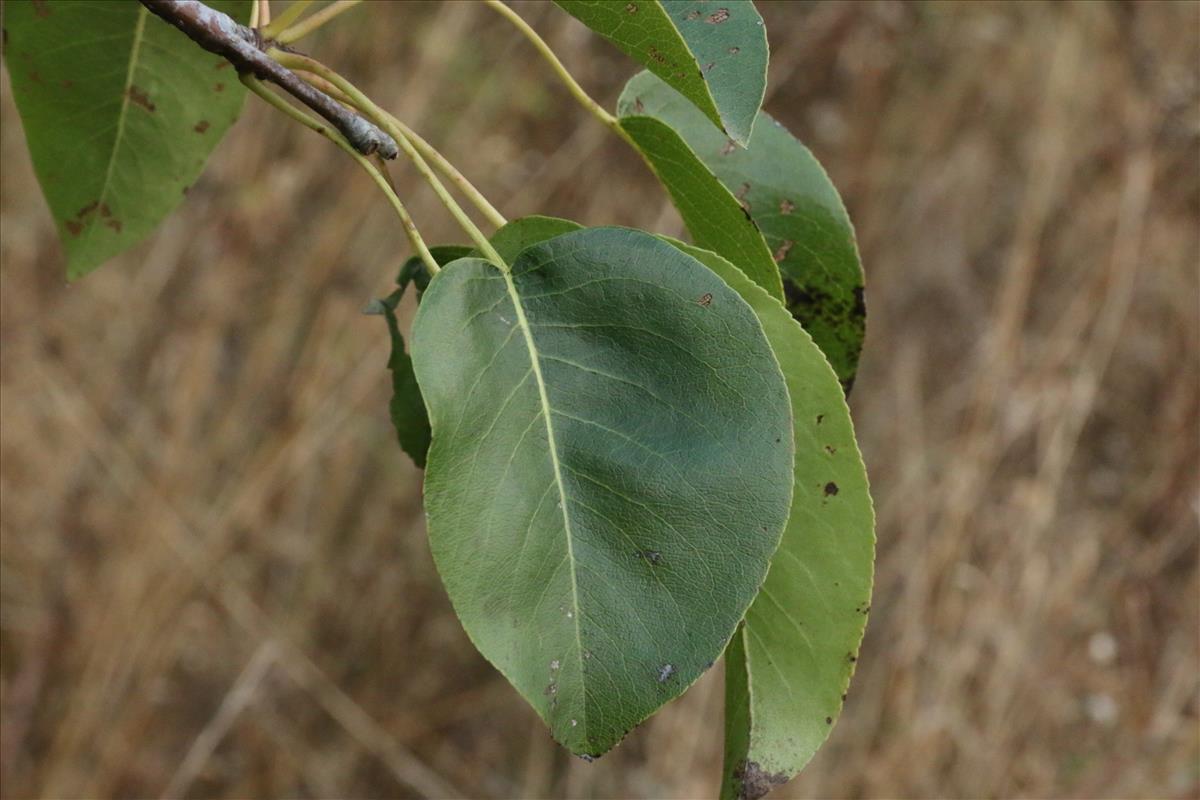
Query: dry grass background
215, 578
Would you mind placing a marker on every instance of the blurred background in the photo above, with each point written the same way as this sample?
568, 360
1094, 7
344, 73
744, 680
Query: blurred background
215, 576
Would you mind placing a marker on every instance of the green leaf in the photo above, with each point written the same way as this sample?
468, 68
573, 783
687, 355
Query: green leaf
714, 54
789, 196
120, 113
406, 407
710, 211
790, 662
610, 469
413, 271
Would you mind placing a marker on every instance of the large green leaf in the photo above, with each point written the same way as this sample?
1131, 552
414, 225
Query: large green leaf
120, 112
783, 188
610, 469
714, 54
788, 666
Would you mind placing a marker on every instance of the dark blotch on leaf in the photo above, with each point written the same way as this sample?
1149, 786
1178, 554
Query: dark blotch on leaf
782, 251
631, 8
201, 126
140, 98
786, 207
733, 51
831, 488
819, 418
41, 9
74, 228
705, 300
754, 782
218, 87
718, 16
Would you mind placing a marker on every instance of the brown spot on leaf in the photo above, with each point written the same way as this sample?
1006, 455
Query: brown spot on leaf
831, 489
708, 67
829, 720
218, 87
718, 16
68, 84
786, 207
105, 211
730, 146
638, 106
115, 224
733, 51
741, 197
819, 418
74, 228
693, 14
139, 98
41, 9
88, 209
656, 55
201, 126
782, 251
705, 300
753, 782
631, 8
830, 449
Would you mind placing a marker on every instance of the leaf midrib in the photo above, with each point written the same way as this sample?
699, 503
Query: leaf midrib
544, 401
130, 69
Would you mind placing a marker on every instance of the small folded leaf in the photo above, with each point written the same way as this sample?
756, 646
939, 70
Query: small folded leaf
610, 469
712, 214
714, 54
790, 662
120, 113
407, 408
782, 187
413, 271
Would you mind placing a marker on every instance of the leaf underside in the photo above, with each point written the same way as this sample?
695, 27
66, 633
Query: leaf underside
778, 184
789, 664
610, 469
714, 54
120, 113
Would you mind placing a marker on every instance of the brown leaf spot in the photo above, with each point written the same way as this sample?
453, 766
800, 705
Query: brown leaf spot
139, 98
73, 227
708, 67
754, 782
733, 51
705, 300
201, 126
115, 224
741, 197
41, 9
68, 84
105, 211
638, 106
718, 16
88, 209
786, 207
829, 720
693, 14
782, 251
831, 489
819, 418
631, 8
656, 55
219, 87
729, 147
830, 449
221, 65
